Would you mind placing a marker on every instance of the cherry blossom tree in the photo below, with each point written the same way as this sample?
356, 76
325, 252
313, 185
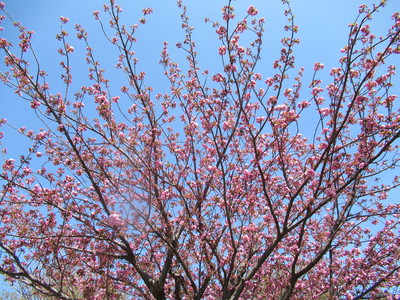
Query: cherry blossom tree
234, 184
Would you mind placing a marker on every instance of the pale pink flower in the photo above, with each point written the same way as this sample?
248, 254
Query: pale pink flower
69, 48
324, 111
241, 49
9, 164
318, 66
35, 104
272, 100
147, 11
281, 107
252, 11
303, 104
222, 50
331, 193
115, 220
310, 173
230, 68
269, 81
361, 99
64, 19
218, 78
96, 14
221, 30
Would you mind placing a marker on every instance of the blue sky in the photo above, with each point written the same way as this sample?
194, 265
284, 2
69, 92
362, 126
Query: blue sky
323, 31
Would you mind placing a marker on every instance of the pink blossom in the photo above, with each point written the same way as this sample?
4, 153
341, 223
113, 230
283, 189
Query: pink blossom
318, 66
218, 78
4, 43
241, 49
381, 79
389, 100
324, 111
319, 100
252, 11
354, 73
365, 30
78, 105
9, 164
269, 81
195, 171
260, 119
69, 48
272, 100
227, 125
221, 30
310, 173
27, 170
362, 8
100, 99
361, 99
230, 68
242, 26
303, 104
35, 104
331, 193
281, 107
251, 84
287, 92
228, 13
64, 20
147, 11
335, 71
222, 50
115, 220
257, 76
96, 14
316, 90
322, 146
40, 136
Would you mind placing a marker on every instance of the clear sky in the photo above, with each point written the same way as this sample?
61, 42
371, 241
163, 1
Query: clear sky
323, 31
